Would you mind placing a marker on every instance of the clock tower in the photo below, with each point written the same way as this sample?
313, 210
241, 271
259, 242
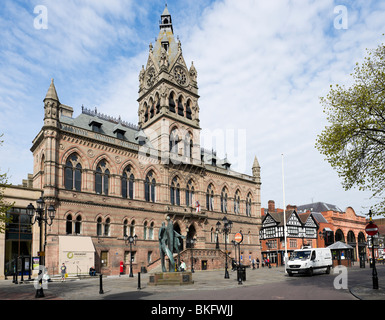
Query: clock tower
168, 96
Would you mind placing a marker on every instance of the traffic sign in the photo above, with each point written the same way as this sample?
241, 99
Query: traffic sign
238, 237
371, 229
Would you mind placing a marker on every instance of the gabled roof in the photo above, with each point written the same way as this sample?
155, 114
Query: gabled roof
278, 217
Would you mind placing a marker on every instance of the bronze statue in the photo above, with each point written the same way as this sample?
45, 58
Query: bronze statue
168, 244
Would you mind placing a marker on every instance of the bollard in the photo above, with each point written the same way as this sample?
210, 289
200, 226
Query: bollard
139, 281
101, 284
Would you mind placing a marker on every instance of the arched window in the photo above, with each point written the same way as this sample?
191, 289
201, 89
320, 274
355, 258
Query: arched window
224, 200
189, 193
157, 103
174, 139
73, 173
339, 236
107, 228
151, 231
188, 110
188, 145
145, 108
180, 107
210, 198
125, 227
237, 201
149, 187
175, 192
69, 224
78, 225
171, 102
128, 181
132, 228
102, 175
248, 205
152, 108
145, 229
99, 227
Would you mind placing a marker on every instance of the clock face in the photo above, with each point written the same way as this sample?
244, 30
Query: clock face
180, 75
150, 79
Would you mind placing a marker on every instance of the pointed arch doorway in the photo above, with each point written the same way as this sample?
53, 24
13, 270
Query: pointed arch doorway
191, 234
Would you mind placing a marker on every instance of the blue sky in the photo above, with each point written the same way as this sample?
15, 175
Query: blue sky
262, 66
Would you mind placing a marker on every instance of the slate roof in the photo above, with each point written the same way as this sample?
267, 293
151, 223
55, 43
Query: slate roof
318, 207
108, 128
131, 132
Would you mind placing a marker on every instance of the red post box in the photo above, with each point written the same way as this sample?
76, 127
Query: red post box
121, 267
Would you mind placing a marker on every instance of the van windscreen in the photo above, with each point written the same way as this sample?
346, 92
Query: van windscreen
300, 255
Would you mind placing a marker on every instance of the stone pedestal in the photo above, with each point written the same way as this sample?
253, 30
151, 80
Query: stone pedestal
170, 278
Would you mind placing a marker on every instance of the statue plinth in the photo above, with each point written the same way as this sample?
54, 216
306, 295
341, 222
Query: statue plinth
171, 278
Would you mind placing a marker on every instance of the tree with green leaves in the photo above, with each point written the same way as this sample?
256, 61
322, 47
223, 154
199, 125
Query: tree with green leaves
354, 140
4, 206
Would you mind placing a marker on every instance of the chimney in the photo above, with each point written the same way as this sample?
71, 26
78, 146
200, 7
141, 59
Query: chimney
291, 207
271, 206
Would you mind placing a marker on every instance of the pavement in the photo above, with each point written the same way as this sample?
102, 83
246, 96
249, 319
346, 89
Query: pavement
116, 287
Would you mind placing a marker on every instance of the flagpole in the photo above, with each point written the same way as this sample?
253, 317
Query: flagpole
284, 212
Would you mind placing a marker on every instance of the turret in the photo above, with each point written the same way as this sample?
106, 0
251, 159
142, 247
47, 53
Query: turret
256, 170
51, 107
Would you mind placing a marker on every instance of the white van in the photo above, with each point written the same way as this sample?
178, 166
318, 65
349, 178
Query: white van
309, 259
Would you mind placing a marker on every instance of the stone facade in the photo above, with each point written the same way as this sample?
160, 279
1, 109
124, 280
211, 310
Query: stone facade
107, 178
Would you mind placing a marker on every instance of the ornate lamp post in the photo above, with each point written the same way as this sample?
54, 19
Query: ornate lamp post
372, 229
217, 235
227, 224
192, 242
132, 241
40, 215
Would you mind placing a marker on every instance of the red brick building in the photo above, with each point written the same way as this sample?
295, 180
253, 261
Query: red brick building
108, 179
316, 225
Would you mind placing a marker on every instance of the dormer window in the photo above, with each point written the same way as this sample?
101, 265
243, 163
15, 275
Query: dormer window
120, 134
96, 126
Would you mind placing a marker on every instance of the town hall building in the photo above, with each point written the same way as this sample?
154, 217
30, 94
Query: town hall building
109, 179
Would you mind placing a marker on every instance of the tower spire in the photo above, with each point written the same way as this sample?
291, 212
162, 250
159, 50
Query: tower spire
52, 94
165, 20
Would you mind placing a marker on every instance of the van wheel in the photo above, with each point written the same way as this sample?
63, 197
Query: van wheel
328, 270
310, 272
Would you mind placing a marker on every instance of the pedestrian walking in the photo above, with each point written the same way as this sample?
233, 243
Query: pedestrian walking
253, 263
182, 266
257, 263
63, 270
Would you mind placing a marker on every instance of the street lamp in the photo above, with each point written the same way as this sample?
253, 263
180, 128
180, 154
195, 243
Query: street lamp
40, 215
374, 270
217, 235
227, 224
192, 242
132, 241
